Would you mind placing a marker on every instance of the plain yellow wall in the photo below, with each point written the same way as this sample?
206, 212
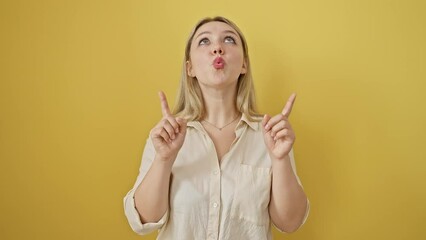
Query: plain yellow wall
78, 96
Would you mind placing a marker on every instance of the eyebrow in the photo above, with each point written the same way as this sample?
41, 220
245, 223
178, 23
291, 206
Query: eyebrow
205, 32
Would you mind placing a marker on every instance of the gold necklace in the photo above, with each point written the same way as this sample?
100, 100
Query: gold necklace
220, 128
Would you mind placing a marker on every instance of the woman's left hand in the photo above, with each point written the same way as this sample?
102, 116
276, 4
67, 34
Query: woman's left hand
277, 132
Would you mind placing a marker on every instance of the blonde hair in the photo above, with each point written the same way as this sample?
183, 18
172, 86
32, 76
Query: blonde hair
190, 104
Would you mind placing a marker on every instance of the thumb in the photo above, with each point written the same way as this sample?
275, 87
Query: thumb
267, 137
265, 120
182, 124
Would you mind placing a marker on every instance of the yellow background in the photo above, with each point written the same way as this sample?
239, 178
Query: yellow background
78, 96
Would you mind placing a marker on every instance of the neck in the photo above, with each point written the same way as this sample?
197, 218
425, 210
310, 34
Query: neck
220, 106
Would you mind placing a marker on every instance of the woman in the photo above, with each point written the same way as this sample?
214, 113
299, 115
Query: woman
214, 169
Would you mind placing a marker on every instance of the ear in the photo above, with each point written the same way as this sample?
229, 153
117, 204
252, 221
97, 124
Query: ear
189, 69
244, 68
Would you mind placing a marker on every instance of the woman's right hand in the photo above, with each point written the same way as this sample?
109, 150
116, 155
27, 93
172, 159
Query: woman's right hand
169, 134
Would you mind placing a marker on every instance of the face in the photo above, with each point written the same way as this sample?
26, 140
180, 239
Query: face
216, 55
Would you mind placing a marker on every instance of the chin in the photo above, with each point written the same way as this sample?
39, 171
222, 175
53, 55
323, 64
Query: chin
222, 84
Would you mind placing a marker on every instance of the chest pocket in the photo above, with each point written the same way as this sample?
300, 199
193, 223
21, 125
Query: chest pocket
252, 195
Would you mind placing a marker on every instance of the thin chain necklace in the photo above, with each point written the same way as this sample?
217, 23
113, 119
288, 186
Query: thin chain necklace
220, 128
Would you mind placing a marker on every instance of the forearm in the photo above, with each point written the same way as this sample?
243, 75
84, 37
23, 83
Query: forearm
152, 195
288, 200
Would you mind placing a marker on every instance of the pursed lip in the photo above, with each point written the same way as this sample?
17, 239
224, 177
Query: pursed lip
218, 63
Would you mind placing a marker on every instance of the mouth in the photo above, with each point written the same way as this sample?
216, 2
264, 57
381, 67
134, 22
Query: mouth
219, 63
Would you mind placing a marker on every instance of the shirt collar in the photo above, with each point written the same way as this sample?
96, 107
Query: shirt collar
196, 125
253, 124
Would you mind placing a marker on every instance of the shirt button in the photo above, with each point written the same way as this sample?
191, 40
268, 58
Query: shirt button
215, 205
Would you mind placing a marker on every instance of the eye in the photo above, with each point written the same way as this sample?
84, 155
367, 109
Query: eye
229, 39
204, 41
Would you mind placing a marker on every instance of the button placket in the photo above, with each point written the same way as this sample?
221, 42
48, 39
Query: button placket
215, 192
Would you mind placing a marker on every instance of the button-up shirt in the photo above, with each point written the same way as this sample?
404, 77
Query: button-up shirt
212, 200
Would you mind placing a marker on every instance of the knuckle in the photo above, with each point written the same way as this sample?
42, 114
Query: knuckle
172, 121
155, 131
165, 135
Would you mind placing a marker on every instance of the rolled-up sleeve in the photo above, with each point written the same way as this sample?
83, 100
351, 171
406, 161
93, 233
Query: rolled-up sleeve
134, 219
304, 218
129, 200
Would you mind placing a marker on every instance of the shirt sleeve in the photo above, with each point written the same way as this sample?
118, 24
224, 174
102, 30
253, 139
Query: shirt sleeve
129, 202
293, 166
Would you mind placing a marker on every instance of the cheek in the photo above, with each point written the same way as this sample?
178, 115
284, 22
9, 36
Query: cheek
198, 62
237, 55
238, 59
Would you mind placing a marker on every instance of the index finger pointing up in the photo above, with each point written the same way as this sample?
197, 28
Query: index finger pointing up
164, 105
289, 105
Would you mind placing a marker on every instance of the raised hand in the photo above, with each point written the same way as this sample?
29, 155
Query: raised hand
169, 134
277, 132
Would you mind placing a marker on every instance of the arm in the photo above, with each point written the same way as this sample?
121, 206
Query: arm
152, 195
288, 204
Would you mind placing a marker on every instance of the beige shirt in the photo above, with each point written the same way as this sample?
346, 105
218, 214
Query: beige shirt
209, 200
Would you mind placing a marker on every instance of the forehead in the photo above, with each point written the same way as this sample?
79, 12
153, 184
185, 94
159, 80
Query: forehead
214, 27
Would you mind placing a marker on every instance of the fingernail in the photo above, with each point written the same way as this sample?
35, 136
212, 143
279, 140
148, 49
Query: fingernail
266, 126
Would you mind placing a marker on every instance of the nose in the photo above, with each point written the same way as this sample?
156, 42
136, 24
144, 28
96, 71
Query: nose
217, 49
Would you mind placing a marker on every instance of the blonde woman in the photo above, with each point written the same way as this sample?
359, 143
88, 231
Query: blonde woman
215, 168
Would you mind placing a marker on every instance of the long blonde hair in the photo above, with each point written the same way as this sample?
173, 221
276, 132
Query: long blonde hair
190, 104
